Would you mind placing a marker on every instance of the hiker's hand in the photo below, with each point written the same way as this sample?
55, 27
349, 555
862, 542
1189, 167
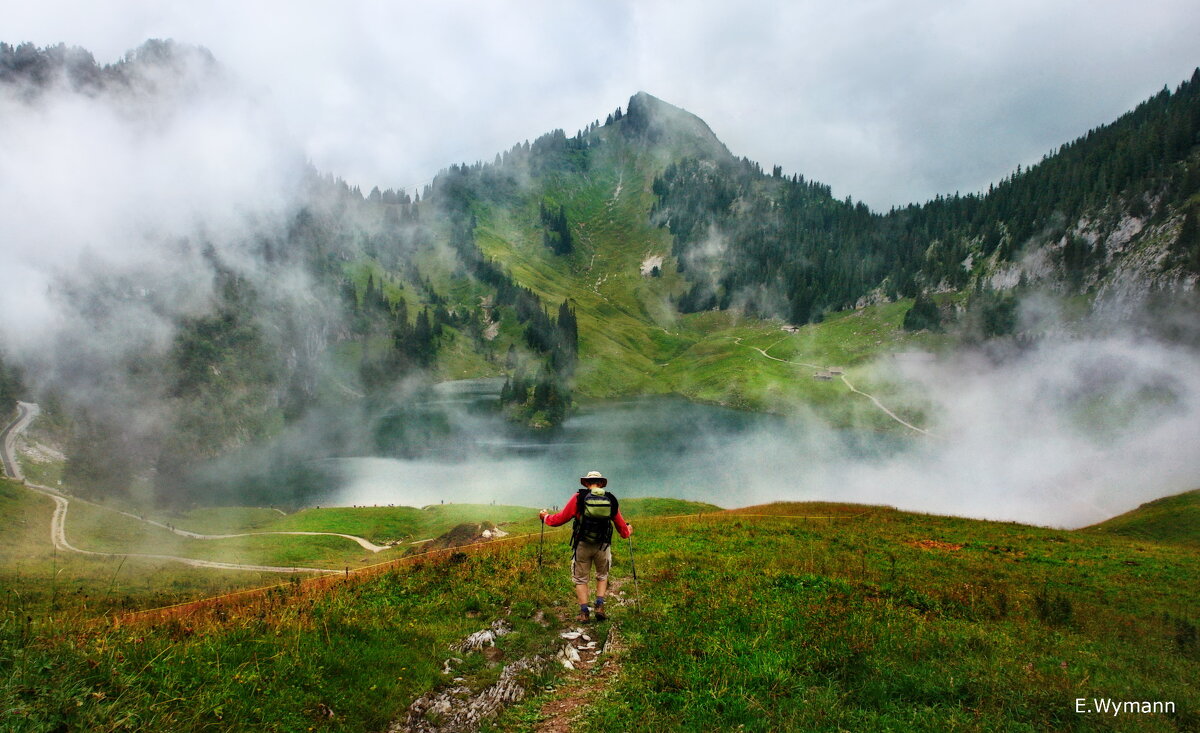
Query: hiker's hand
629, 527
542, 515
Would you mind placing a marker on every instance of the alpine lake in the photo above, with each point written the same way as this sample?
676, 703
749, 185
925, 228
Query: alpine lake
453, 445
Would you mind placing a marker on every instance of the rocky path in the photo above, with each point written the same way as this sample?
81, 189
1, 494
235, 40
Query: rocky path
591, 665
589, 654
617, 193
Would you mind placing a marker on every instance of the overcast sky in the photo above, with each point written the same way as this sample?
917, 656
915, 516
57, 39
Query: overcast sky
887, 101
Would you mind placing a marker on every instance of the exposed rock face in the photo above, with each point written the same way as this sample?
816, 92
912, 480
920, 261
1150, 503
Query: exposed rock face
486, 637
1130, 259
456, 710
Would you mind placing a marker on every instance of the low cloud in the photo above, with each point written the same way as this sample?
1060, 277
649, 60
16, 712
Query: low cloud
131, 199
887, 102
1064, 432
129, 188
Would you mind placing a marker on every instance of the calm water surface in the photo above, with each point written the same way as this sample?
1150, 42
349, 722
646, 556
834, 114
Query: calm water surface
452, 446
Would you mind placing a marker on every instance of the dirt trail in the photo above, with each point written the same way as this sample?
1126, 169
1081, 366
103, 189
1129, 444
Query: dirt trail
361, 541
592, 666
738, 340
589, 653
890, 414
58, 523
26, 412
58, 535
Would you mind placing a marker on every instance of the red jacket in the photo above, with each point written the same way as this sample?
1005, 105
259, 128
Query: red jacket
568, 513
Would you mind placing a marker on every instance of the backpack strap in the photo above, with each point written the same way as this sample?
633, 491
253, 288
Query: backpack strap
578, 516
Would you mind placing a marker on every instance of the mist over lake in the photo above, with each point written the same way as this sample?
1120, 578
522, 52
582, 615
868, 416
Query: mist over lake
457, 448
1063, 434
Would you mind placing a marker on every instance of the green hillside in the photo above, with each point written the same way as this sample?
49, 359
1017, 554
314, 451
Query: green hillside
865, 618
39, 580
636, 256
632, 339
1170, 519
94, 584
897, 621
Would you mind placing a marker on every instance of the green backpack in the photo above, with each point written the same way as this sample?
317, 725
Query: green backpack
595, 510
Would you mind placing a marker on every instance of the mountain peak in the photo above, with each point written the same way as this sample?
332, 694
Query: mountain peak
661, 122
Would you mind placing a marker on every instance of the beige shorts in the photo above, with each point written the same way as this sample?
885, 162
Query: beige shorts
587, 555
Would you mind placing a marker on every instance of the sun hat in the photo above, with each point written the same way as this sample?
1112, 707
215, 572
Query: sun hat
594, 476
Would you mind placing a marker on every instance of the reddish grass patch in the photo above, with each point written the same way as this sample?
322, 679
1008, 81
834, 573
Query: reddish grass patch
934, 545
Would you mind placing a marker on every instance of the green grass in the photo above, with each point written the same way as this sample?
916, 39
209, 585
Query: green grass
42, 581
385, 524
858, 625
351, 659
459, 359
1170, 519
45, 473
28, 561
220, 520
631, 339
101, 530
731, 365
632, 509
378, 524
883, 621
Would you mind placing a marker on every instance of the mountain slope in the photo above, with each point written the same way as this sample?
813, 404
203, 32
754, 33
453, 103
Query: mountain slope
1113, 210
636, 256
853, 617
1098, 216
1169, 519
621, 275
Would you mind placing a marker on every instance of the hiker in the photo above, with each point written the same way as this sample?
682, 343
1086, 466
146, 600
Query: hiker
594, 511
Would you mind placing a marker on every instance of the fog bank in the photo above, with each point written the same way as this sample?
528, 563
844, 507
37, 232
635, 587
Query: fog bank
1065, 432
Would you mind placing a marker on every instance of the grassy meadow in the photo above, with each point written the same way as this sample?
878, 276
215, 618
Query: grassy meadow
40, 582
47, 579
1170, 519
814, 616
896, 621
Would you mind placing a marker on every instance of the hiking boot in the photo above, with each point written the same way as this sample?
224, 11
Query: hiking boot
584, 617
600, 614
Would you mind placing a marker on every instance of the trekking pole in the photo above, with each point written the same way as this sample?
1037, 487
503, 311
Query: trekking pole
541, 542
637, 594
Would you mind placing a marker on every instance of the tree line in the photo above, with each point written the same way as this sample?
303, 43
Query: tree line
779, 246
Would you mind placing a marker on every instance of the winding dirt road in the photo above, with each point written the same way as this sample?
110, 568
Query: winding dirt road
58, 535
362, 541
27, 411
889, 413
738, 340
